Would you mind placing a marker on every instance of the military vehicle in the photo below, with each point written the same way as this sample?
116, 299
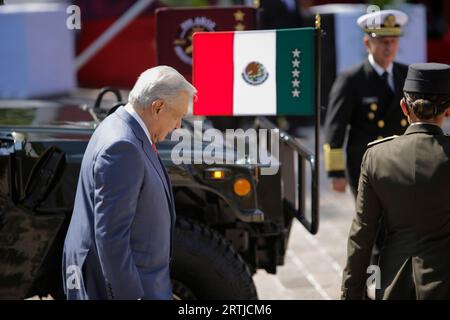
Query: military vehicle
231, 219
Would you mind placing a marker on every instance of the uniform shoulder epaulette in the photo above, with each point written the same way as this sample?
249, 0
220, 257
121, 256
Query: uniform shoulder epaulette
371, 144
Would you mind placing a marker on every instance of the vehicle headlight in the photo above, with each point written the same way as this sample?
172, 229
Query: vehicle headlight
242, 187
217, 174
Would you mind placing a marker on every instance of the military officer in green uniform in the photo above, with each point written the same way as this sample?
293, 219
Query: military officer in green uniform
363, 102
405, 181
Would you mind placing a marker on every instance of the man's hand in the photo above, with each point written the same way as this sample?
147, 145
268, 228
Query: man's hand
339, 184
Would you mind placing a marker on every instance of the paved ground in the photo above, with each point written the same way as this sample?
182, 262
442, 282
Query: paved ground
314, 264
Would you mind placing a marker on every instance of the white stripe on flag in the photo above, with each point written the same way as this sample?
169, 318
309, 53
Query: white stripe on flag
254, 99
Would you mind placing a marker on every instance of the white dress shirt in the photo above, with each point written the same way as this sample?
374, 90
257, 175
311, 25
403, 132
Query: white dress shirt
129, 108
380, 71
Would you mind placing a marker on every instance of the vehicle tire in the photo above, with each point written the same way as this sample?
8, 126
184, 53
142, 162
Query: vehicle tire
206, 266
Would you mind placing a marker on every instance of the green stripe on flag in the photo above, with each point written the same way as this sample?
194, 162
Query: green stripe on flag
296, 78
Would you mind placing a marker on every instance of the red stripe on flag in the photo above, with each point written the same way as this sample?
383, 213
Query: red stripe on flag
213, 73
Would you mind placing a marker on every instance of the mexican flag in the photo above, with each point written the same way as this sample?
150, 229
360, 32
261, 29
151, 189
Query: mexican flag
267, 72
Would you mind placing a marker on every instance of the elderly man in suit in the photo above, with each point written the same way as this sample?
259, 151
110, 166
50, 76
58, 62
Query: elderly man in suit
405, 180
363, 102
119, 242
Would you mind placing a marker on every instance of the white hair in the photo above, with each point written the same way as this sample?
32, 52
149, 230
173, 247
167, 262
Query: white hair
160, 82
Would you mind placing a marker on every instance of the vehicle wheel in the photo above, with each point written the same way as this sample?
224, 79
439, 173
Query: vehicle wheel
205, 266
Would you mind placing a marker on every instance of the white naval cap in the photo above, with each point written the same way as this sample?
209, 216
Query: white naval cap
383, 23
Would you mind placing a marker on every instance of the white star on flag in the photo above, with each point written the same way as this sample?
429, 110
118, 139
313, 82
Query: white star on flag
295, 63
295, 83
295, 93
295, 73
296, 53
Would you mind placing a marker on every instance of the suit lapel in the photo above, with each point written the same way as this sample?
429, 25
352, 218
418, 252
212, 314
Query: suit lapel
376, 81
391, 104
371, 74
394, 106
170, 186
398, 81
151, 155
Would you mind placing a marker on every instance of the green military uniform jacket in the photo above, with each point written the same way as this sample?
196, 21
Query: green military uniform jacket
406, 182
361, 99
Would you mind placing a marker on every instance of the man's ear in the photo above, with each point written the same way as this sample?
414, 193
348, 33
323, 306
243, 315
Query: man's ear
447, 112
404, 107
366, 42
156, 106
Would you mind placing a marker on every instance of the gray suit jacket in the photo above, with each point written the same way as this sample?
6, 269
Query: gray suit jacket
119, 242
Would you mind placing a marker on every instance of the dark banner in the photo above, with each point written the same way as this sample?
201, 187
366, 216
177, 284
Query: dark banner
176, 26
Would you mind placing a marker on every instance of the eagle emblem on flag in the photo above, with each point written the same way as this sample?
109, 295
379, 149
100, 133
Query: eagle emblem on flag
255, 73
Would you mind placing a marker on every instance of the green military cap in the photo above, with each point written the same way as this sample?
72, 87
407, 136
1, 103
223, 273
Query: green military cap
428, 78
383, 23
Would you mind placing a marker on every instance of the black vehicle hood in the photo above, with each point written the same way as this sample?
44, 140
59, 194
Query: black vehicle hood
39, 113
